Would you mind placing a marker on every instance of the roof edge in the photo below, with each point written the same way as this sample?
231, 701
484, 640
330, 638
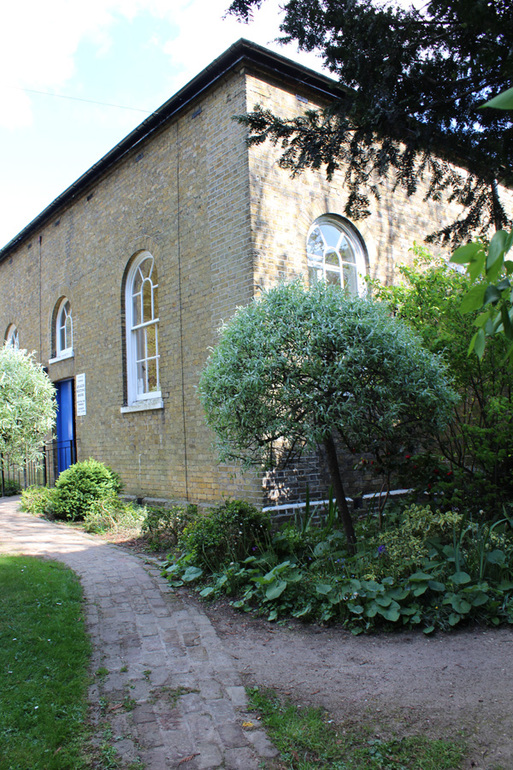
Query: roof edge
243, 51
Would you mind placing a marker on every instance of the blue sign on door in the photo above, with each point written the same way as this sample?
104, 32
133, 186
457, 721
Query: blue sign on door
65, 424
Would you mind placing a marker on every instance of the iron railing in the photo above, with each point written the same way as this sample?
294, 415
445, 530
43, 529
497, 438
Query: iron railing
55, 457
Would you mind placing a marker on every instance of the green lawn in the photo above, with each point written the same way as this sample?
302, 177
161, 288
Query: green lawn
44, 659
308, 740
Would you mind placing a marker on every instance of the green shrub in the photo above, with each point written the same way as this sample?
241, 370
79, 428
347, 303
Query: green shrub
11, 487
162, 527
229, 532
81, 484
110, 514
37, 500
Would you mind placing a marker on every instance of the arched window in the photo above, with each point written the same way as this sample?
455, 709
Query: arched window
336, 254
142, 325
12, 337
64, 329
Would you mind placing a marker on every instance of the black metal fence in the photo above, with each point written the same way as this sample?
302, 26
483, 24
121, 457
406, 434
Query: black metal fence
56, 457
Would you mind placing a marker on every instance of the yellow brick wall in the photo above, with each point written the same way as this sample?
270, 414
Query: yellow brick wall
222, 222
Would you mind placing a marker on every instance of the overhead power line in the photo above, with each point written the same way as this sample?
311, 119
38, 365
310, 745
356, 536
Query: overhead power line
79, 99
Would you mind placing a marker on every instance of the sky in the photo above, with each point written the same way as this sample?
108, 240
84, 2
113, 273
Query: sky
59, 58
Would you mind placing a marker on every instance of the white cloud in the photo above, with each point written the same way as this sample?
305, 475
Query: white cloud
39, 40
205, 34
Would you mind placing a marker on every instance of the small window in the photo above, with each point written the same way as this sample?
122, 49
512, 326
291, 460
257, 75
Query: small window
142, 317
64, 330
336, 254
12, 337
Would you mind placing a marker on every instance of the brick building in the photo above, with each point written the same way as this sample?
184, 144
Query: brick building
121, 283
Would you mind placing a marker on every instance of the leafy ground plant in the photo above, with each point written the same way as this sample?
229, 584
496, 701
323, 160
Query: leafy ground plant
423, 569
307, 739
44, 658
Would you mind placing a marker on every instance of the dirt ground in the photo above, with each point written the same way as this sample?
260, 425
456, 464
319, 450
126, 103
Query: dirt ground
443, 686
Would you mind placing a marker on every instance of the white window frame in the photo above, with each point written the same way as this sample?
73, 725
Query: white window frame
319, 263
12, 338
142, 398
61, 325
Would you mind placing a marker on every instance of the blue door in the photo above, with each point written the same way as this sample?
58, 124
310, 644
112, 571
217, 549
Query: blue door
65, 425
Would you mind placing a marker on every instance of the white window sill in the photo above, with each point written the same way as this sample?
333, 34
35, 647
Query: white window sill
145, 405
62, 357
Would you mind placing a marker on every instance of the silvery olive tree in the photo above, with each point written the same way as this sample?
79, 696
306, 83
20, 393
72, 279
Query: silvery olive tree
300, 368
27, 405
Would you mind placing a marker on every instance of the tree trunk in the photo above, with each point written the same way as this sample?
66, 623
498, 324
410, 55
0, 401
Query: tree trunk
338, 488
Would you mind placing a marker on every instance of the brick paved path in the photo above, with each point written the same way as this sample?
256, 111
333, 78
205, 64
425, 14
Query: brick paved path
171, 695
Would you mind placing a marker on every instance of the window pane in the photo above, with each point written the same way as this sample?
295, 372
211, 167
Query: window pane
346, 251
141, 378
350, 279
136, 309
138, 279
151, 341
147, 292
153, 380
140, 344
68, 333
315, 245
146, 267
332, 259
331, 235
333, 277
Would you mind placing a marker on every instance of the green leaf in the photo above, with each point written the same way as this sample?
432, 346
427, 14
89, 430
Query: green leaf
436, 586
496, 249
323, 588
460, 578
496, 557
383, 601
506, 323
206, 591
356, 609
465, 254
477, 343
492, 294
503, 101
477, 267
478, 599
192, 573
399, 593
460, 604
428, 630
419, 577
390, 613
473, 299
454, 619
275, 589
